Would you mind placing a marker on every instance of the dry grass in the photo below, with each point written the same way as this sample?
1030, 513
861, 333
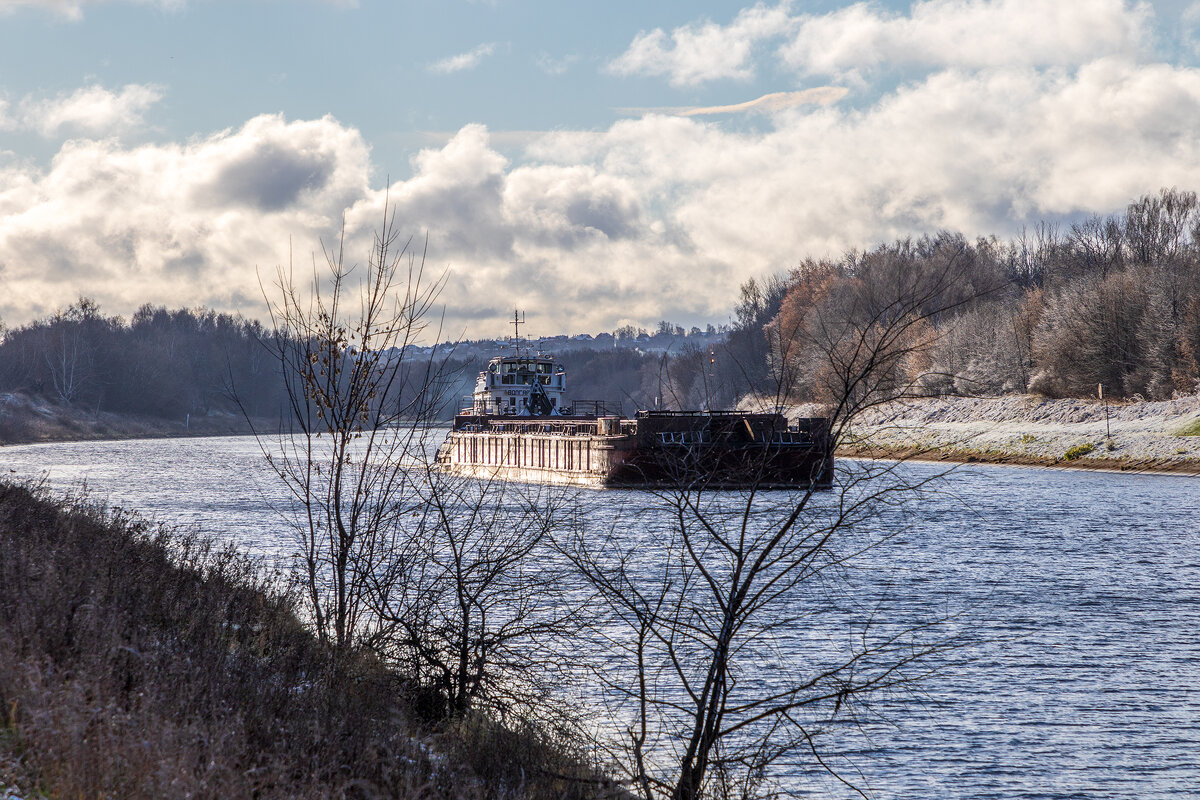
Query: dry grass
140, 662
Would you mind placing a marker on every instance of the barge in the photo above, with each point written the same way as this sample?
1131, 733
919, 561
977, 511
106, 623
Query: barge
520, 428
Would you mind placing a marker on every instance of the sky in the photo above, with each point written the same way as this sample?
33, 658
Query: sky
594, 164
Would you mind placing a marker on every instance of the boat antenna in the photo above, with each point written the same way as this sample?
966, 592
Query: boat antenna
518, 320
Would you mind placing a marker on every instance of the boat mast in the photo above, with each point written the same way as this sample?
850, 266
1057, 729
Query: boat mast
518, 320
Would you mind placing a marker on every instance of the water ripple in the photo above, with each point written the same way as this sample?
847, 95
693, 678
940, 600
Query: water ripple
1084, 586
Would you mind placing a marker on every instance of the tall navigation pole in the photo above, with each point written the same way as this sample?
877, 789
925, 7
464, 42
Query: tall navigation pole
518, 319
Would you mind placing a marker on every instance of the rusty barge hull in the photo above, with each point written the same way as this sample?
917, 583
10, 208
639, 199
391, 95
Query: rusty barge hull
657, 449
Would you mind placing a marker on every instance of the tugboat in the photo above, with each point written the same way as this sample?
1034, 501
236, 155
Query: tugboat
519, 427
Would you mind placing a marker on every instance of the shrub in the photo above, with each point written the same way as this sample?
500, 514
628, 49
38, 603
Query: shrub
1191, 429
1079, 451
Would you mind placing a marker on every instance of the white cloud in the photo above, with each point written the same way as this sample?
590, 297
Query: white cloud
554, 66
463, 61
705, 51
665, 216
659, 217
860, 39
968, 34
178, 223
90, 111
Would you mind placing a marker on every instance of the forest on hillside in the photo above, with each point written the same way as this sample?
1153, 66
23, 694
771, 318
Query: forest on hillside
171, 363
1057, 310
163, 363
1112, 301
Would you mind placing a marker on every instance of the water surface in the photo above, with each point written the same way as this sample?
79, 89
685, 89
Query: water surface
1085, 586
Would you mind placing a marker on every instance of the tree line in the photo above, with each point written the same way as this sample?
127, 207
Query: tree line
170, 363
164, 363
1112, 301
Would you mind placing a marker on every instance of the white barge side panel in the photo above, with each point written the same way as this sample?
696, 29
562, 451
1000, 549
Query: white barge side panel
581, 460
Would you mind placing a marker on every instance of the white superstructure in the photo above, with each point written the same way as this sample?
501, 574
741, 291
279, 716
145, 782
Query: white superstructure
520, 386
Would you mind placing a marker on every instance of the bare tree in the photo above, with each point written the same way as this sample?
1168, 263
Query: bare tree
471, 604
357, 397
441, 576
67, 360
1089, 334
71, 340
1098, 244
862, 335
709, 587
1034, 257
1158, 228
983, 351
701, 606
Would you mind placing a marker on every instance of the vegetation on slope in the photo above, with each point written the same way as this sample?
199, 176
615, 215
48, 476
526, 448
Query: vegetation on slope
1190, 429
141, 662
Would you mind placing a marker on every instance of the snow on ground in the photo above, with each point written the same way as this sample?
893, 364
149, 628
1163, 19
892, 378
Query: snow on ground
1034, 429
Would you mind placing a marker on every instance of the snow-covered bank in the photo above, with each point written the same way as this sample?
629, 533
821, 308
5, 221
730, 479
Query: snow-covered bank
1028, 429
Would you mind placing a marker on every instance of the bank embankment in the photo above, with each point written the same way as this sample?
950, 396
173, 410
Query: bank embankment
28, 419
142, 662
1031, 430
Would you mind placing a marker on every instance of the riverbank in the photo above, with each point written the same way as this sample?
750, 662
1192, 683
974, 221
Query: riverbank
142, 662
1030, 430
1161, 436
28, 419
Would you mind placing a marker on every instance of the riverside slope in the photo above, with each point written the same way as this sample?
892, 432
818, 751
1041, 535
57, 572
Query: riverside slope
1029, 429
28, 419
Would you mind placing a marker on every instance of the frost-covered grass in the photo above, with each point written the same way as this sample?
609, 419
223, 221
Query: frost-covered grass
1038, 430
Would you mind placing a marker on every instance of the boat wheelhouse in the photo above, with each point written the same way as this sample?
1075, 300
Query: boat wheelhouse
520, 386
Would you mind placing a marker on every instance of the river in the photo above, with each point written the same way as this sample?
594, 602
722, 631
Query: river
1083, 586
